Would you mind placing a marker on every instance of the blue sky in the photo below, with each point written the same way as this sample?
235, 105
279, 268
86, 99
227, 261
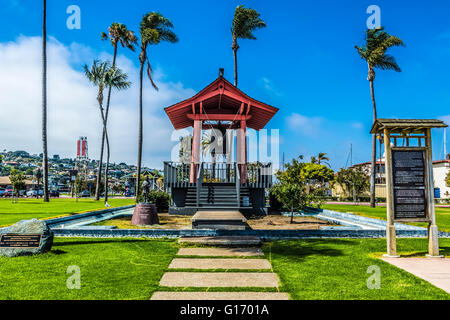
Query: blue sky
304, 62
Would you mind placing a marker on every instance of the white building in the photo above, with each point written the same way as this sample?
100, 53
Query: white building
440, 171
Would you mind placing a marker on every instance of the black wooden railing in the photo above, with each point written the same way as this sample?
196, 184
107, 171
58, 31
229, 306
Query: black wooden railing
252, 175
176, 175
259, 175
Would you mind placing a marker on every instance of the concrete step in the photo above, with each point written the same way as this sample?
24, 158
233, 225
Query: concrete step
160, 295
218, 215
221, 252
218, 226
217, 263
223, 220
222, 240
219, 279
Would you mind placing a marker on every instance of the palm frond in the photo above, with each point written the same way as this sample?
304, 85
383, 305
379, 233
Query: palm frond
246, 20
387, 62
149, 74
378, 42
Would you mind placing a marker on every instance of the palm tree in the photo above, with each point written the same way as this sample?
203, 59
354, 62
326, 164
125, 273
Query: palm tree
104, 76
208, 147
245, 21
154, 28
377, 43
44, 103
117, 33
321, 157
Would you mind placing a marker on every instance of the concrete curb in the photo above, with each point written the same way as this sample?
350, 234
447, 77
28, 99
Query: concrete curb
263, 234
81, 218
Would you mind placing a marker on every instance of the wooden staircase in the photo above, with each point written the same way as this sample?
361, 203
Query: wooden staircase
217, 196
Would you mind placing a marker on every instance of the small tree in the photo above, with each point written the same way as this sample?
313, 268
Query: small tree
353, 181
301, 184
79, 184
17, 181
118, 188
290, 194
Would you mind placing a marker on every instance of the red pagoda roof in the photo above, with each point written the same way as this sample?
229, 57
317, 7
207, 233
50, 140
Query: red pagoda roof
220, 101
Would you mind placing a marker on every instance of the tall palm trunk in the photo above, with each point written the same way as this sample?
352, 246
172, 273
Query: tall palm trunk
100, 167
107, 152
105, 129
44, 104
235, 48
371, 78
138, 174
100, 105
235, 68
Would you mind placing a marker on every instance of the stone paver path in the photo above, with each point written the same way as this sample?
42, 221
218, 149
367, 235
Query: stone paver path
222, 241
216, 263
221, 252
244, 258
220, 296
219, 279
434, 270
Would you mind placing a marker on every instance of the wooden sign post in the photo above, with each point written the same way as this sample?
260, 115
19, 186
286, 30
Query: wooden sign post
409, 176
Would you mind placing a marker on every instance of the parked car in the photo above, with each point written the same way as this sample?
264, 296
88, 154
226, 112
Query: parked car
84, 194
54, 193
22, 193
9, 192
34, 193
2, 192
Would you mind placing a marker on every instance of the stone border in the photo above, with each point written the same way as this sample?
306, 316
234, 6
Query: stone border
353, 226
343, 232
87, 218
353, 220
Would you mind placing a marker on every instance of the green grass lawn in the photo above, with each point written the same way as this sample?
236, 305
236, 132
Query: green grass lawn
109, 268
132, 268
442, 214
337, 269
36, 208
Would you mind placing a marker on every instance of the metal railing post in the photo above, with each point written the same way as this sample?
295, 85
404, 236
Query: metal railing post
199, 183
238, 184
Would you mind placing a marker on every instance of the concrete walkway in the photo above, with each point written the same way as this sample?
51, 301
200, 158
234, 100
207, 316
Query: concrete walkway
220, 252
213, 259
217, 263
434, 270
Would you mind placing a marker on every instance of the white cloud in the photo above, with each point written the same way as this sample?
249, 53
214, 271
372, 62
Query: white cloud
72, 106
310, 126
357, 125
269, 86
446, 119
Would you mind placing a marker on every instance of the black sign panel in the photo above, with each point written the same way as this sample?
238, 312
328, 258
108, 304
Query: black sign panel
20, 241
408, 169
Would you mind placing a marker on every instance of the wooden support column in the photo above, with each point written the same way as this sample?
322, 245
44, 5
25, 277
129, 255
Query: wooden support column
195, 157
433, 233
241, 152
390, 227
229, 145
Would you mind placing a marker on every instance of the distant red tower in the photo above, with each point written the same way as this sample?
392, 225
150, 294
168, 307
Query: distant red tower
82, 149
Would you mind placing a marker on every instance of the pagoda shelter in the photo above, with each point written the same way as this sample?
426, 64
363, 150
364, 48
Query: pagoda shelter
229, 185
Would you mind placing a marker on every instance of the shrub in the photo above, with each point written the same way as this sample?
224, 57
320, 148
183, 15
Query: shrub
275, 205
160, 199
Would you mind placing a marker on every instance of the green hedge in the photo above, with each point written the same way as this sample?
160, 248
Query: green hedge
275, 205
160, 199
